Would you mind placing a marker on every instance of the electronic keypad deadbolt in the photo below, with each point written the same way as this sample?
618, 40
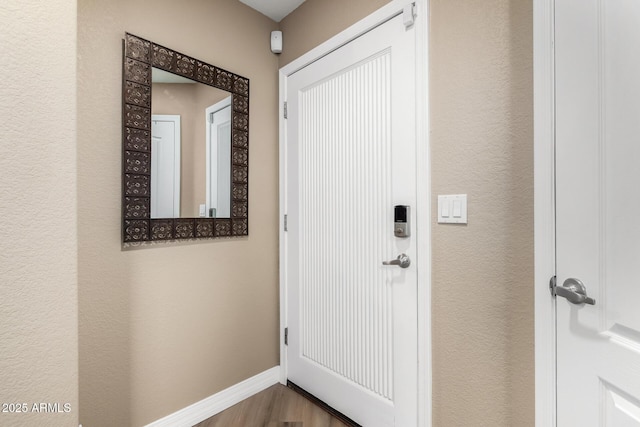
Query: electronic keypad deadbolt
401, 215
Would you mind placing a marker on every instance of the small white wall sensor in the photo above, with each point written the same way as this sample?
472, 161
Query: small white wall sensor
276, 41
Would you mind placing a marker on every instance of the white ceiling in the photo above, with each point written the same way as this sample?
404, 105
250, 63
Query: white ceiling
274, 9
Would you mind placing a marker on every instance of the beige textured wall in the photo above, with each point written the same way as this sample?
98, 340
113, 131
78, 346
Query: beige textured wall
38, 249
481, 84
481, 105
166, 325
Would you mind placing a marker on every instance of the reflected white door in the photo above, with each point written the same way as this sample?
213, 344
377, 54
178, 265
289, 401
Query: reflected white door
598, 208
165, 166
351, 151
219, 159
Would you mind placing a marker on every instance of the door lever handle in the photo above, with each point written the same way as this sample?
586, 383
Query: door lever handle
402, 261
575, 291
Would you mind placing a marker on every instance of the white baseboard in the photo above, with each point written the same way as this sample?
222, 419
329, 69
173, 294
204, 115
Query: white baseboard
220, 401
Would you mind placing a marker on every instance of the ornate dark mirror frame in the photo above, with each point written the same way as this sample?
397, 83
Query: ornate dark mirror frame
140, 56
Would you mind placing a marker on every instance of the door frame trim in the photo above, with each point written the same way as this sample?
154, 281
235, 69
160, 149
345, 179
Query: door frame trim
544, 210
423, 169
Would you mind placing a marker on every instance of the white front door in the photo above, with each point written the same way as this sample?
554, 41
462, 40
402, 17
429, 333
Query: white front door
598, 210
350, 158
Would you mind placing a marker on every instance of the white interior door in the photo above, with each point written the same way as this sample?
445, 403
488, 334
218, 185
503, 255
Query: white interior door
350, 158
598, 203
219, 159
165, 166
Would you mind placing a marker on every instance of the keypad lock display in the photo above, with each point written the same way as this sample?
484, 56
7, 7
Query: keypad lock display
401, 224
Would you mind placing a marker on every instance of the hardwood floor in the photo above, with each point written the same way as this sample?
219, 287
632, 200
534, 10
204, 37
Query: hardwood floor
277, 406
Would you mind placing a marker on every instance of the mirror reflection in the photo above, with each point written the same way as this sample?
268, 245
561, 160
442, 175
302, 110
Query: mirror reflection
190, 148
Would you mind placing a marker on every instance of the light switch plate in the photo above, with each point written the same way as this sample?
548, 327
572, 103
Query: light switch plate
452, 209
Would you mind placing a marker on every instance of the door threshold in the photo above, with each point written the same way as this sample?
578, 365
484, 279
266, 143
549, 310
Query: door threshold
342, 417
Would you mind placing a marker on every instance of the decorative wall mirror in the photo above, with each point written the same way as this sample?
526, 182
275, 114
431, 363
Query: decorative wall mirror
196, 129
